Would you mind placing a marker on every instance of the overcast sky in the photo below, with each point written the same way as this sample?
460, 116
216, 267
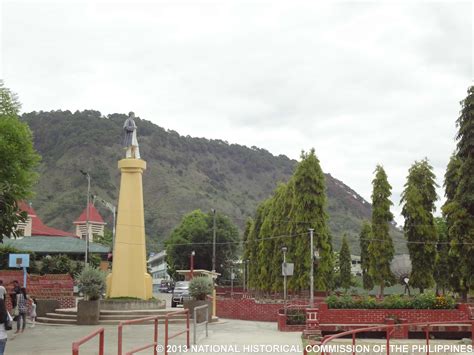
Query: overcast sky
361, 82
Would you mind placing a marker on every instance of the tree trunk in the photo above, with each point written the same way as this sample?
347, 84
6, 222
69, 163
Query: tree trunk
381, 290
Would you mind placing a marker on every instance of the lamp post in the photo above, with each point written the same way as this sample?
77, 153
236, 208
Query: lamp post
86, 174
243, 274
192, 264
231, 280
311, 275
213, 240
248, 274
284, 250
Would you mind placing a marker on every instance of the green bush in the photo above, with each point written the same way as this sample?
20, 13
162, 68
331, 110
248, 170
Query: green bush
200, 287
422, 301
295, 316
91, 282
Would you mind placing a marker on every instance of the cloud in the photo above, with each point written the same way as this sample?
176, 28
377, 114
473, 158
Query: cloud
363, 83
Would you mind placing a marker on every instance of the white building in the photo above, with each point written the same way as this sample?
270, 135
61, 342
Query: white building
158, 269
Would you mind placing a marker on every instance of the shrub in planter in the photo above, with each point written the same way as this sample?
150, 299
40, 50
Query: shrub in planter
91, 283
295, 317
200, 287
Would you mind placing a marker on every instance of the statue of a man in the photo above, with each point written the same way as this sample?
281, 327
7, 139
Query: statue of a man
130, 142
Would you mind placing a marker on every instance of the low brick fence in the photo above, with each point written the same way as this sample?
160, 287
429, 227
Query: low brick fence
58, 287
378, 316
251, 309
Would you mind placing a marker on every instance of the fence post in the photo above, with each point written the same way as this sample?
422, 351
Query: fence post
119, 337
194, 325
388, 332
472, 332
187, 330
101, 342
75, 349
353, 343
427, 332
155, 337
166, 335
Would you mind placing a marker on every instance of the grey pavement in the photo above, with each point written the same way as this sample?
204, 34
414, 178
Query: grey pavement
225, 337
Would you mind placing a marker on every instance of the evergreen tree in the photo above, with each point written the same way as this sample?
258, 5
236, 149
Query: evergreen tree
284, 220
461, 232
450, 213
309, 211
345, 275
381, 249
365, 235
418, 200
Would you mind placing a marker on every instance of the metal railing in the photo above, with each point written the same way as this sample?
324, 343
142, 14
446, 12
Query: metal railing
167, 336
389, 329
196, 324
77, 344
138, 321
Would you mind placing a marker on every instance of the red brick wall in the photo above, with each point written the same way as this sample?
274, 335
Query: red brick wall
57, 287
249, 309
377, 316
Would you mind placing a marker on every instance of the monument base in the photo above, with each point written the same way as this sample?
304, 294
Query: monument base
121, 290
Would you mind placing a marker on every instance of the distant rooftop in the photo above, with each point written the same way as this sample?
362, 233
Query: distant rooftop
94, 216
52, 244
37, 225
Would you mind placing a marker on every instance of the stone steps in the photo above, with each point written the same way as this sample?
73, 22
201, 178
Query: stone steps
107, 317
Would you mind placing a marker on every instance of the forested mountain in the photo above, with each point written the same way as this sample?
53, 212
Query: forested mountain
183, 173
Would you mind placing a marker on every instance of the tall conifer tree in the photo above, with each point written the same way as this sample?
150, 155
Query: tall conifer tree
309, 211
381, 249
345, 263
365, 235
418, 200
461, 232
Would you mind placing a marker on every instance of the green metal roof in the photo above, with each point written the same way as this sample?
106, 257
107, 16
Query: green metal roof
64, 245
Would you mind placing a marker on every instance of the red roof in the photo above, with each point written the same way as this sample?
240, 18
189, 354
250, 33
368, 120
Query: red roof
94, 216
37, 225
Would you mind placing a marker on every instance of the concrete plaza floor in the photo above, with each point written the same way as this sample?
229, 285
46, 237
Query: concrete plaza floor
233, 334
225, 337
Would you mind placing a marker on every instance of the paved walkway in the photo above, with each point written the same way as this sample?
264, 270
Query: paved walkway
57, 340
225, 337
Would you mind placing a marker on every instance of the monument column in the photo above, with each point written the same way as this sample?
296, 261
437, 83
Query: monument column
129, 277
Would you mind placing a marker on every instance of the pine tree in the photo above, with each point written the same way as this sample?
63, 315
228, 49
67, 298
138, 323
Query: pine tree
309, 211
418, 200
365, 235
450, 213
284, 220
345, 275
381, 249
461, 232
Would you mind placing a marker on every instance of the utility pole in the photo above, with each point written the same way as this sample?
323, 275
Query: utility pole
284, 249
86, 174
311, 275
191, 266
213, 240
243, 264
231, 280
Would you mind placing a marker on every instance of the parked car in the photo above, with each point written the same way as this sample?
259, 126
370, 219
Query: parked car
166, 286
180, 293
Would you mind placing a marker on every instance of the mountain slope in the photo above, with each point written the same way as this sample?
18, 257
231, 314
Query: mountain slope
183, 173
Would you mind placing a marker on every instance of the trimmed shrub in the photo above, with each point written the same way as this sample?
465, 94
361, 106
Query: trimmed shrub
200, 287
91, 282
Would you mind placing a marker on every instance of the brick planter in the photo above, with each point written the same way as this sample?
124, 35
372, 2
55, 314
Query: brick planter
283, 327
337, 320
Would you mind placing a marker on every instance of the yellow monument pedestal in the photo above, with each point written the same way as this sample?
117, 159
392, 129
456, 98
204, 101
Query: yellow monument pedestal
129, 277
